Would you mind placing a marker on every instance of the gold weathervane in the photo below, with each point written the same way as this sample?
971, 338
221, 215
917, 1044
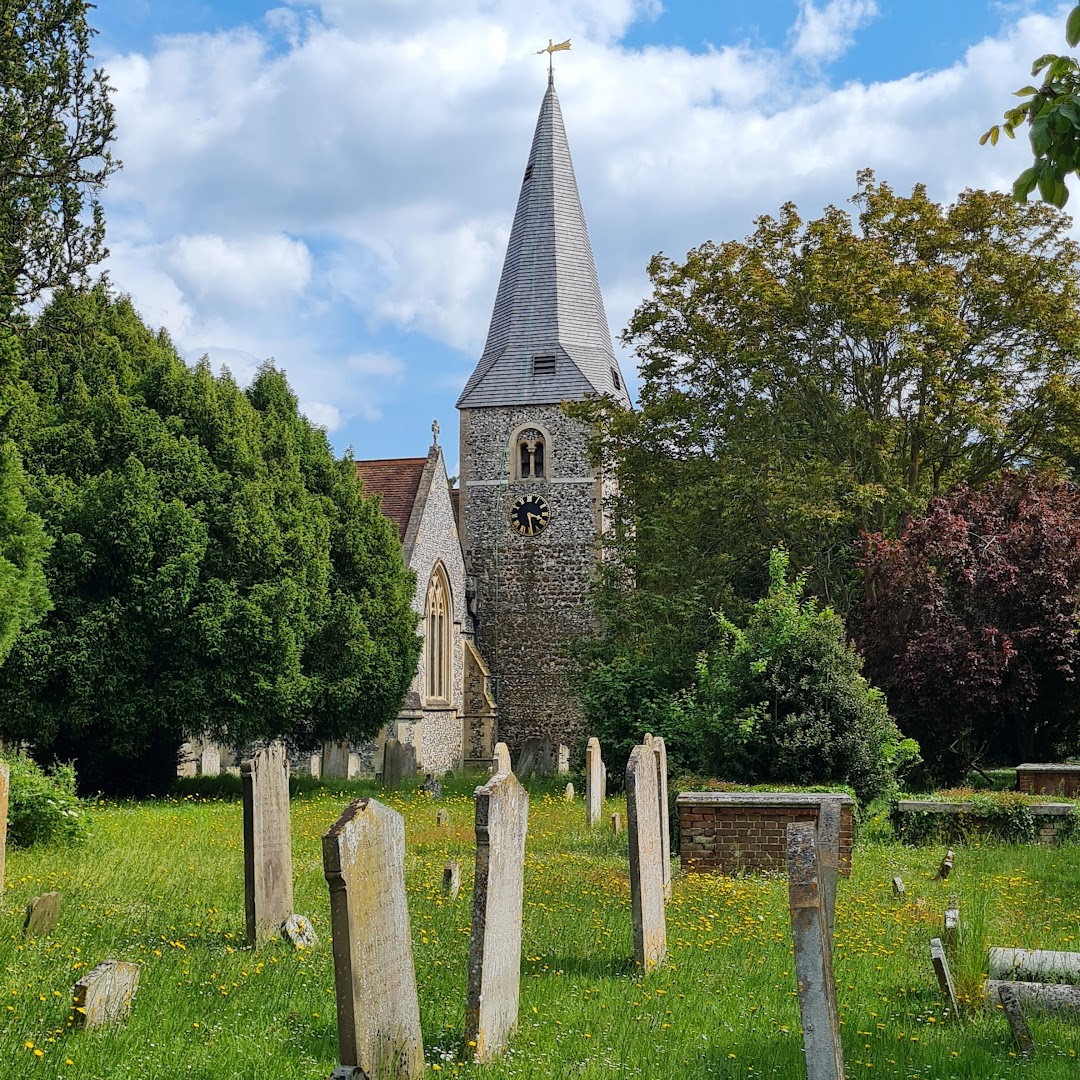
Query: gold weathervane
563, 46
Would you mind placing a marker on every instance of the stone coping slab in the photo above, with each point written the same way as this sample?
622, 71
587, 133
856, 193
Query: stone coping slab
761, 798
1045, 767
939, 806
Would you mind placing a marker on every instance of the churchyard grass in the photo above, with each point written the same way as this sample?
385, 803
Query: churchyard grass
161, 882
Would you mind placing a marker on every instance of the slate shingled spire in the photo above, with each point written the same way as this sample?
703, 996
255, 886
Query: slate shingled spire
548, 305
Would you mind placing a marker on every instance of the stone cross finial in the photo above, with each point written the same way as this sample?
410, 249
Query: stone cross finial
435, 429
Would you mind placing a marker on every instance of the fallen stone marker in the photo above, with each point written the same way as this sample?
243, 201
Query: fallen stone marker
568, 794
442, 818
103, 995
898, 887
500, 763
268, 885
1015, 1015
451, 879
41, 914
298, 931
941, 969
5, 783
616, 822
945, 869
502, 823
646, 852
594, 782
813, 970
378, 1013
1033, 965
1062, 999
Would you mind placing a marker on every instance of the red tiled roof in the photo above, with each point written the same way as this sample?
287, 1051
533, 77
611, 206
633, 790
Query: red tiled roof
397, 481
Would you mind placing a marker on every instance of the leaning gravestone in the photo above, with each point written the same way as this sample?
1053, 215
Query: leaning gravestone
813, 956
1015, 1015
378, 1012
660, 751
646, 853
502, 821
5, 781
103, 995
941, 969
594, 779
41, 914
335, 761
268, 886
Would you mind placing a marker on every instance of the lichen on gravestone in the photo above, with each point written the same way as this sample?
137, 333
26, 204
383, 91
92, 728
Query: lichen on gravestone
41, 914
451, 879
103, 995
646, 853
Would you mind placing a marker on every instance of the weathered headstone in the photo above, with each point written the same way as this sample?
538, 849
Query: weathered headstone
335, 761
898, 887
392, 763
356, 767
298, 931
616, 822
941, 969
451, 879
210, 764
442, 818
502, 821
952, 917
186, 765
1062, 999
315, 766
1033, 964
268, 886
378, 1012
432, 786
500, 763
103, 995
1015, 1015
646, 852
945, 869
568, 794
41, 914
603, 782
594, 798
529, 760
828, 845
660, 752
5, 784
813, 967
563, 760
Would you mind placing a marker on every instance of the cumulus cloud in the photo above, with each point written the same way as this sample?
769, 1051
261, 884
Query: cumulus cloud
380, 365
824, 33
328, 417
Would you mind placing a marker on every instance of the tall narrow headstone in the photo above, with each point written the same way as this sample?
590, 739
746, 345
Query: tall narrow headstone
103, 995
646, 852
451, 879
828, 843
941, 970
335, 761
268, 886
210, 763
5, 783
813, 969
502, 821
594, 779
378, 1012
563, 766
660, 751
500, 763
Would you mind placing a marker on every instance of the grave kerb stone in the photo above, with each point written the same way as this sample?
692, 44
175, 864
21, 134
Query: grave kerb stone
1033, 965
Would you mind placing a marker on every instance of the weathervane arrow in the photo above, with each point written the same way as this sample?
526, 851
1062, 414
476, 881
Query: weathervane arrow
563, 46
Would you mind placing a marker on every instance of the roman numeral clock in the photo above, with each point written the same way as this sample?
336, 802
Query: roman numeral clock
530, 515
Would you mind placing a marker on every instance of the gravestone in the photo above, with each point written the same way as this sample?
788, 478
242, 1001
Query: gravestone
298, 931
1061, 999
529, 760
1015, 1015
952, 918
660, 752
945, 868
547, 758
1033, 964
502, 822
335, 761
646, 852
399, 763
451, 879
5, 785
603, 782
500, 763
103, 995
813, 953
41, 914
186, 765
562, 766
941, 969
378, 1014
442, 818
568, 794
616, 822
432, 786
356, 767
268, 886
315, 766
210, 764
594, 798
898, 887
828, 844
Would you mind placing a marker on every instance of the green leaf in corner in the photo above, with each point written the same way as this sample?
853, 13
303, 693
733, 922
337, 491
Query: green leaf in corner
1072, 27
1025, 90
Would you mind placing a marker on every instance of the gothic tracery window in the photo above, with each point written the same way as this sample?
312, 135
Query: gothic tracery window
438, 637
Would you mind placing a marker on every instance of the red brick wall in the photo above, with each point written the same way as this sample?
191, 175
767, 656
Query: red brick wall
1049, 782
751, 837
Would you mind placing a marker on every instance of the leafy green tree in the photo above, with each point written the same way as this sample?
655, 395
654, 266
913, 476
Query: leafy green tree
208, 574
56, 124
820, 379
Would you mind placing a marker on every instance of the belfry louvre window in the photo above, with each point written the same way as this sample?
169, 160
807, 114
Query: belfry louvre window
529, 459
615, 379
543, 365
438, 627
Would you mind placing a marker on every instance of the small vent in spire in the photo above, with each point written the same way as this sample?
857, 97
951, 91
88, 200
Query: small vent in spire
528, 170
543, 365
615, 378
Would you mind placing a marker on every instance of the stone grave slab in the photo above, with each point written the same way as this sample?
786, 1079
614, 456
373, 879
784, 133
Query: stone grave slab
813, 968
502, 822
378, 1012
315, 766
1015, 1015
594, 782
1034, 965
562, 766
41, 914
210, 764
268, 885
298, 931
103, 995
941, 969
1038, 997
646, 853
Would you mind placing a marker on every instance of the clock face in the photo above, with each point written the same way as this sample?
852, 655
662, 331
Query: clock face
530, 515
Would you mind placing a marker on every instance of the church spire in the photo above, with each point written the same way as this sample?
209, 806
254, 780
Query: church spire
548, 340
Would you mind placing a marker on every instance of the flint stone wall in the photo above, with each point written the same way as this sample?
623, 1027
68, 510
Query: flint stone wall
730, 831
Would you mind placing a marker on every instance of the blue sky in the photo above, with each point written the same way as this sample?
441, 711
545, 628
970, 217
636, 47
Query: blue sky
332, 184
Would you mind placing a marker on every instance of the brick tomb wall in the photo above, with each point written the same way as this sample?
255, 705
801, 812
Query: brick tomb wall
732, 831
1049, 779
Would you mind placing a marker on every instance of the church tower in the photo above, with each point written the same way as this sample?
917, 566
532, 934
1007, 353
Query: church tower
531, 503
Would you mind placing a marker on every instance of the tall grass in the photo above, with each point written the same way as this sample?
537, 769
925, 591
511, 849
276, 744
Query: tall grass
161, 882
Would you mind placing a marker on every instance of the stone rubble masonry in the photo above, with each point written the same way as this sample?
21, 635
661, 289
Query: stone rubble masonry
5, 785
103, 995
502, 822
1049, 779
732, 831
646, 854
378, 1013
268, 885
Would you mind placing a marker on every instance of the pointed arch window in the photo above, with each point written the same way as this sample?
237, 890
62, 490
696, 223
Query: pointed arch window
438, 637
530, 455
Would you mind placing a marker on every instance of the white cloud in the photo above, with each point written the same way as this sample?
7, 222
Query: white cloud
824, 33
321, 414
379, 365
